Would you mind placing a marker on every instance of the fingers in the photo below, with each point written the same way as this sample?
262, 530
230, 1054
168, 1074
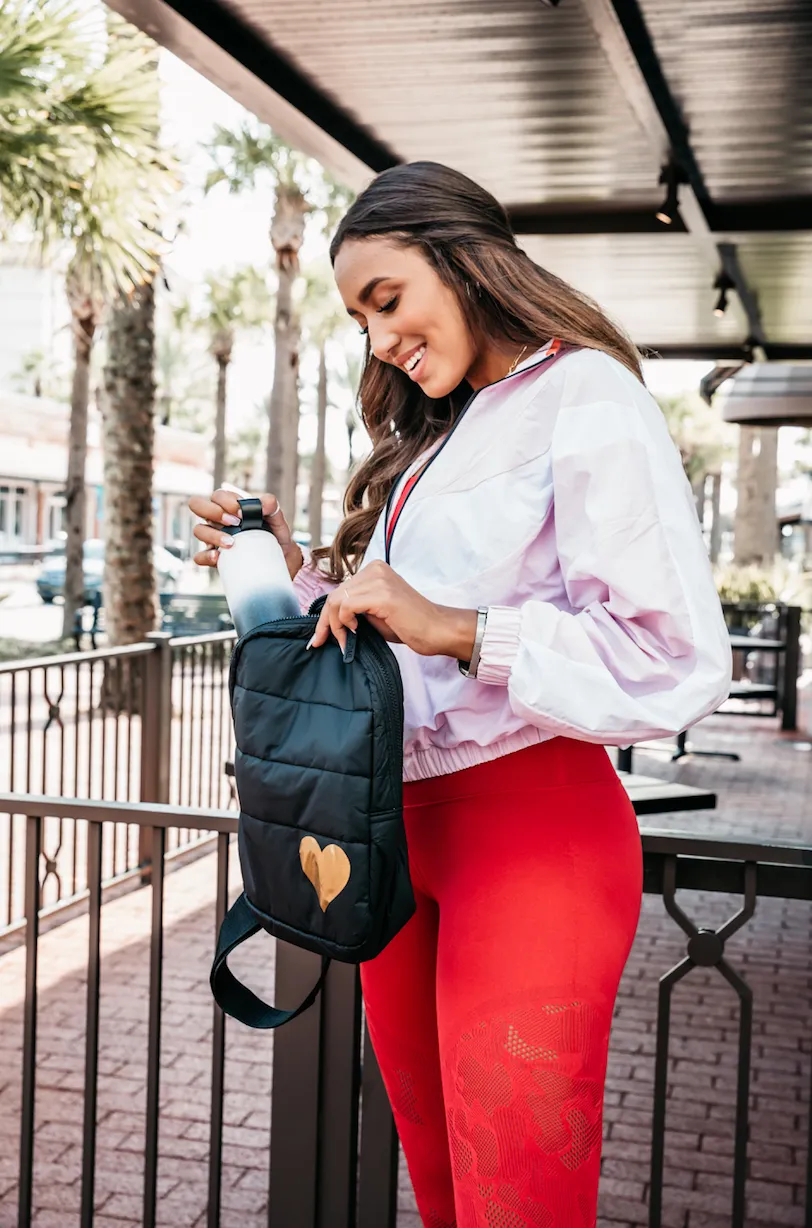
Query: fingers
336, 616
222, 507
212, 536
272, 512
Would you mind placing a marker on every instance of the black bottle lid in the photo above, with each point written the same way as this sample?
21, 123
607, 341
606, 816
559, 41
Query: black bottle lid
251, 518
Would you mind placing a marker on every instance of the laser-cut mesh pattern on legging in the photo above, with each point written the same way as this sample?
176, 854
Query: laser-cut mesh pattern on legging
436, 1221
525, 1114
405, 1101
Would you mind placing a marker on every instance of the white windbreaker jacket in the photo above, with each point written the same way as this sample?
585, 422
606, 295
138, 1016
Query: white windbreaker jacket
559, 501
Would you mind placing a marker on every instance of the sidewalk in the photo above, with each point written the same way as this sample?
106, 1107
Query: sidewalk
766, 795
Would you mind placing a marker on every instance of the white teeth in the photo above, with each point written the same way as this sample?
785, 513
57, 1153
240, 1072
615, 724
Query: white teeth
415, 359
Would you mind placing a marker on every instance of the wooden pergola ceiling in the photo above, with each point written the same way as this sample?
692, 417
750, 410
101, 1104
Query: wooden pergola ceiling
572, 113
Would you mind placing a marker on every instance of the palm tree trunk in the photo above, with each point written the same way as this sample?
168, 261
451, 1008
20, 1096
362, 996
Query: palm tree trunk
84, 327
290, 479
287, 233
316, 497
350, 434
223, 360
128, 442
280, 392
756, 527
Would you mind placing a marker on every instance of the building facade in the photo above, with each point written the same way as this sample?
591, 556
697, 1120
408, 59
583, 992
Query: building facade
34, 465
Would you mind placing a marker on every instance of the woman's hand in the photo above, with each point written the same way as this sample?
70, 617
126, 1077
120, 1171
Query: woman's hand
398, 611
224, 508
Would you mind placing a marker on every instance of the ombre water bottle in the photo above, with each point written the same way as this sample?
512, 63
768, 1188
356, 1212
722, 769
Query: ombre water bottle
254, 573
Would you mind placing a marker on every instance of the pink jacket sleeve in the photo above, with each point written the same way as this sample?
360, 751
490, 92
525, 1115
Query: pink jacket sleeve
643, 650
310, 583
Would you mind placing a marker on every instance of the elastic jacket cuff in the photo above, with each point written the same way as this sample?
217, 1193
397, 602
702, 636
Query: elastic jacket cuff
500, 644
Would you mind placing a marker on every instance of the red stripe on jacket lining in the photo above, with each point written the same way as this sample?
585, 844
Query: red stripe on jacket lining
404, 494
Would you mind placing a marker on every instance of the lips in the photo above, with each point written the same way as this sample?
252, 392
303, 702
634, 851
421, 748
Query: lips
405, 358
415, 372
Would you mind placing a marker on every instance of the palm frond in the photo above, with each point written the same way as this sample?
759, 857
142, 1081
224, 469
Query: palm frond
82, 160
40, 43
240, 299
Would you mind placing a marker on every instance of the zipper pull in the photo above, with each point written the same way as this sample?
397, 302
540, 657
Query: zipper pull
349, 649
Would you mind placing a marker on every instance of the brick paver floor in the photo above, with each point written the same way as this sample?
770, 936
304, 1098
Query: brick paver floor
767, 795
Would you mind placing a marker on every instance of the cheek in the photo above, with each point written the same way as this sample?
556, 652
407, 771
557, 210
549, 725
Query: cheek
455, 347
449, 334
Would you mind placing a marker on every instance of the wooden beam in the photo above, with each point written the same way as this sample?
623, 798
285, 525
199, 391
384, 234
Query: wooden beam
725, 352
605, 217
622, 33
213, 41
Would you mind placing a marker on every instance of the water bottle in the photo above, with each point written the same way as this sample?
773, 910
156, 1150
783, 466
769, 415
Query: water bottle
254, 573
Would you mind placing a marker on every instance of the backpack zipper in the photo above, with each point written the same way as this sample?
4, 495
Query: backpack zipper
272, 622
392, 696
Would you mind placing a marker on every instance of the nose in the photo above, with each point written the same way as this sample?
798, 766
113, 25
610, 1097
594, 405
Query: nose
383, 340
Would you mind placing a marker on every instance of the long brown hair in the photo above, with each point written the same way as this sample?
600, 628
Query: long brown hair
504, 296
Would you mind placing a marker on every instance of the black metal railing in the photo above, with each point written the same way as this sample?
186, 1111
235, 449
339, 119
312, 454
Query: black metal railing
333, 1146
149, 722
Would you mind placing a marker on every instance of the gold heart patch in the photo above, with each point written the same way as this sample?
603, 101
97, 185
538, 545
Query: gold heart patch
328, 869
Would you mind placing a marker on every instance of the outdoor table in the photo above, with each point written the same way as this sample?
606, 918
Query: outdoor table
750, 642
651, 796
784, 694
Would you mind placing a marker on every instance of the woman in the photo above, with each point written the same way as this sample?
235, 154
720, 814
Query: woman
523, 534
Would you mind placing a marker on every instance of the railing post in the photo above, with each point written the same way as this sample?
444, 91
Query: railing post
297, 1070
339, 1093
315, 1097
378, 1178
792, 666
156, 725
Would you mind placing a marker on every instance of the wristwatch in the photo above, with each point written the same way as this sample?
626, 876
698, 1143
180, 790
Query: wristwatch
469, 668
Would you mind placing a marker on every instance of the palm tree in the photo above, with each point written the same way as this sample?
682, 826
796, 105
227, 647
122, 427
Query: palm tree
351, 379
244, 159
103, 199
48, 119
324, 317
755, 527
239, 300
128, 436
181, 383
40, 376
246, 445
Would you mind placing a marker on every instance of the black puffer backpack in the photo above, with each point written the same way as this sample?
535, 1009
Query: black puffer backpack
319, 770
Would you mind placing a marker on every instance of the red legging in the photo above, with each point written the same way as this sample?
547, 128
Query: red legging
490, 1011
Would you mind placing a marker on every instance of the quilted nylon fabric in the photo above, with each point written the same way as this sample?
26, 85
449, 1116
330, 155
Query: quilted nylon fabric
319, 761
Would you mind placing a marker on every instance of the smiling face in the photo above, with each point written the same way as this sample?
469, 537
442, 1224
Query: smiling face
413, 318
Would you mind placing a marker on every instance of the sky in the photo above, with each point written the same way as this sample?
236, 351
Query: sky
222, 232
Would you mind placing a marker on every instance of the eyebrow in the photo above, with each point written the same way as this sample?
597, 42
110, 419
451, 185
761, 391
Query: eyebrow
367, 291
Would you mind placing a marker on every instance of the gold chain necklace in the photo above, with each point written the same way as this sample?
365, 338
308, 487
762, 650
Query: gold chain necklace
515, 362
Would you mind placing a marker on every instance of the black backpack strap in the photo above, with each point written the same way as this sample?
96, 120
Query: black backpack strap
237, 999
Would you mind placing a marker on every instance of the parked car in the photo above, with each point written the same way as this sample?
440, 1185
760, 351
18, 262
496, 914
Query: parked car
51, 578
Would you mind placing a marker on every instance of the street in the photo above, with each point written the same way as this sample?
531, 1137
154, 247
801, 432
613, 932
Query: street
24, 615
